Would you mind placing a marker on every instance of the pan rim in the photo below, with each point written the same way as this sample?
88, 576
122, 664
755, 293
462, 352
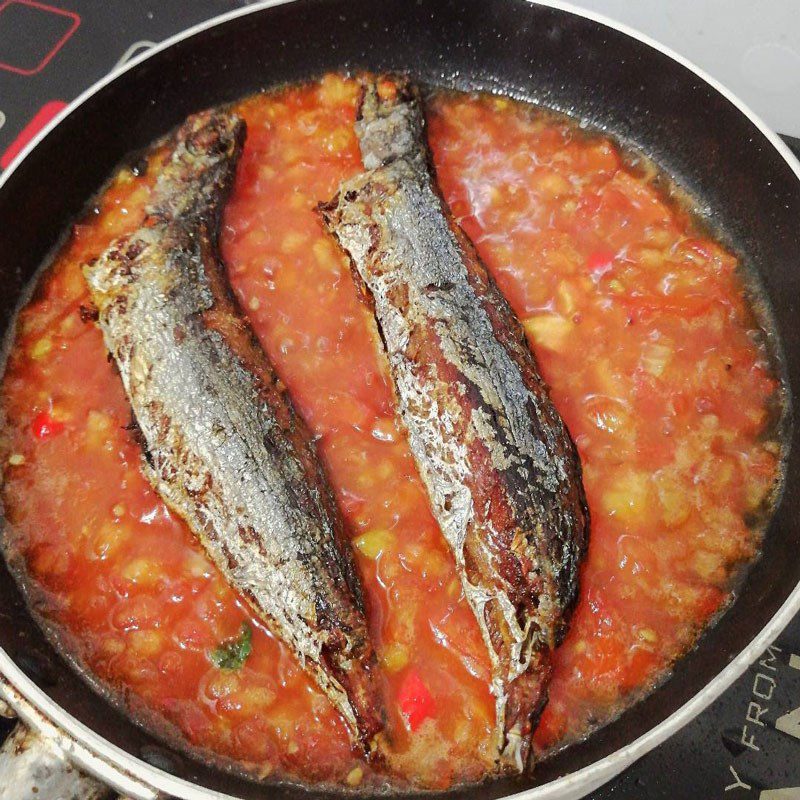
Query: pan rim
573, 785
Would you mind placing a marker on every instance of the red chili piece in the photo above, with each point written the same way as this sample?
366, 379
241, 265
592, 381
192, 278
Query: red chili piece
44, 426
416, 702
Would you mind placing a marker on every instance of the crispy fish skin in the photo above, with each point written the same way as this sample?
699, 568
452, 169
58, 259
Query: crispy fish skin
223, 445
501, 470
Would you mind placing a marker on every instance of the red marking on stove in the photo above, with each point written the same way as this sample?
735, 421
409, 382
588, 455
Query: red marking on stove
40, 119
48, 49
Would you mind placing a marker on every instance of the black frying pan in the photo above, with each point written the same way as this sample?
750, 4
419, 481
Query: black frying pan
738, 172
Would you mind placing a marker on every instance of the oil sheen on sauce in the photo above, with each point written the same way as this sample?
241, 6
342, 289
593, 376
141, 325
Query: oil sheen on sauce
640, 325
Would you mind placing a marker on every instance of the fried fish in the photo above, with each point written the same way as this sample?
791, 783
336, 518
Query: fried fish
501, 471
222, 443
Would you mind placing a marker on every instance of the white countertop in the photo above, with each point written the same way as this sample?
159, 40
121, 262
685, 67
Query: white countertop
751, 46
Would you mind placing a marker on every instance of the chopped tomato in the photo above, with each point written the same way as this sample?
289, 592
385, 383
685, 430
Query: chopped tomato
600, 261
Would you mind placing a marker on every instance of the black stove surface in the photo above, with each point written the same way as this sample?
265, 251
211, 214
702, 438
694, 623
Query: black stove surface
747, 744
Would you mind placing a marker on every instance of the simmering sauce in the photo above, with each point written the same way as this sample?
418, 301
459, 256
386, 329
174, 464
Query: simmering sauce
640, 325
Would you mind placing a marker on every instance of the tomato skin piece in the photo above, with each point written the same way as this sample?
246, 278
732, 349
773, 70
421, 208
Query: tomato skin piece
43, 426
416, 702
600, 261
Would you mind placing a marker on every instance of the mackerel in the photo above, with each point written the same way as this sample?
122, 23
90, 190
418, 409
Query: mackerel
222, 443
501, 471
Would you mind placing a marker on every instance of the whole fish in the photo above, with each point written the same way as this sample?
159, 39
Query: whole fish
223, 445
502, 473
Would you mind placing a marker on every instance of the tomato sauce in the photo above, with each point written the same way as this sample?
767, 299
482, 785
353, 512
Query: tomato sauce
641, 327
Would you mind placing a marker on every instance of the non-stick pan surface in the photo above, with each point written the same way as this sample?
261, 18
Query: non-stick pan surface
561, 59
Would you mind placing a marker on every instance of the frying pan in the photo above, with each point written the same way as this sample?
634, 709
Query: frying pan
745, 180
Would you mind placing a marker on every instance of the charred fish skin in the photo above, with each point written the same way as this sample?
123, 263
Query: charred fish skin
502, 473
223, 445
